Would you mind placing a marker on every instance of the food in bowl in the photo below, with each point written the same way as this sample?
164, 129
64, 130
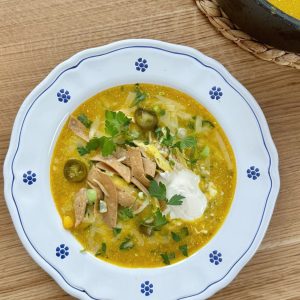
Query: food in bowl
290, 7
142, 175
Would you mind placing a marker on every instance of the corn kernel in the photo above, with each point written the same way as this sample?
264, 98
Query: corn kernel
68, 222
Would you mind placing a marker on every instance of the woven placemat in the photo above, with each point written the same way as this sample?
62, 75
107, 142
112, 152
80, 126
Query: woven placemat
222, 23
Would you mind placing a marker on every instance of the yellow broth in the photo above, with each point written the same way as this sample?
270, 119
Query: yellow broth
147, 250
290, 7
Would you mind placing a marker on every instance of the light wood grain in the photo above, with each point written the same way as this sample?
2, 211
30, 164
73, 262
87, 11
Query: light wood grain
36, 35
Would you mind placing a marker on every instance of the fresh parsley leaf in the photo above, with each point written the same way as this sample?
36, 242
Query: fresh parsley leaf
85, 120
101, 250
127, 244
159, 220
82, 150
184, 250
187, 142
107, 145
116, 122
139, 96
184, 231
176, 200
125, 213
176, 237
164, 136
157, 190
104, 143
167, 257
116, 231
205, 152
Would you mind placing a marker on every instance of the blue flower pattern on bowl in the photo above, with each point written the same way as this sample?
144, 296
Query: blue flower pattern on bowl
62, 251
141, 64
147, 288
29, 177
253, 173
216, 93
215, 257
63, 96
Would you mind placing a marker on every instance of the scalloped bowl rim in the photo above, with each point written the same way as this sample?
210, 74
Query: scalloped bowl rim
172, 48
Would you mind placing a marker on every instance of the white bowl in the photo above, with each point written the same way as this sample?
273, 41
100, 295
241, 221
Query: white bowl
38, 124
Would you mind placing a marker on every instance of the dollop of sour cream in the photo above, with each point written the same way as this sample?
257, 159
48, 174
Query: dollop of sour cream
186, 183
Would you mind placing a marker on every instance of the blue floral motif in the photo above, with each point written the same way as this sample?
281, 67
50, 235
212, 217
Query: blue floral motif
141, 64
147, 288
215, 257
253, 173
62, 251
63, 96
216, 93
29, 177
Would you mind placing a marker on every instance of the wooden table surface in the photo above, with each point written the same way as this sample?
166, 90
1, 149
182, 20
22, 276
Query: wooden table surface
37, 35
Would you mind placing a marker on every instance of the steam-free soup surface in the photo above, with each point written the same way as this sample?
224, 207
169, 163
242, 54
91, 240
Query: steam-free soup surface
290, 7
174, 182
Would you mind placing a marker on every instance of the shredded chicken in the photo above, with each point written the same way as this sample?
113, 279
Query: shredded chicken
111, 199
115, 165
149, 165
78, 128
137, 167
139, 186
125, 199
80, 202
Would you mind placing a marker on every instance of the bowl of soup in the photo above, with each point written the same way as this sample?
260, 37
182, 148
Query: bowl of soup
274, 22
139, 165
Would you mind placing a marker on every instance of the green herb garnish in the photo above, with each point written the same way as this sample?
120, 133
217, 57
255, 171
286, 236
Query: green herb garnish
159, 220
184, 250
116, 231
176, 237
101, 250
107, 146
116, 122
184, 231
159, 191
85, 120
176, 200
104, 143
164, 136
167, 257
127, 244
205, 152
125, 213
139, 95
82, 150
187, 142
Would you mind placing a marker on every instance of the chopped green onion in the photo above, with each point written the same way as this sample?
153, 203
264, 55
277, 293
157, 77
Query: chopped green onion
167, 257
116, 231
184, 250
175, 236
91, 196
205, 152
126, 245
101, 250
184, 231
